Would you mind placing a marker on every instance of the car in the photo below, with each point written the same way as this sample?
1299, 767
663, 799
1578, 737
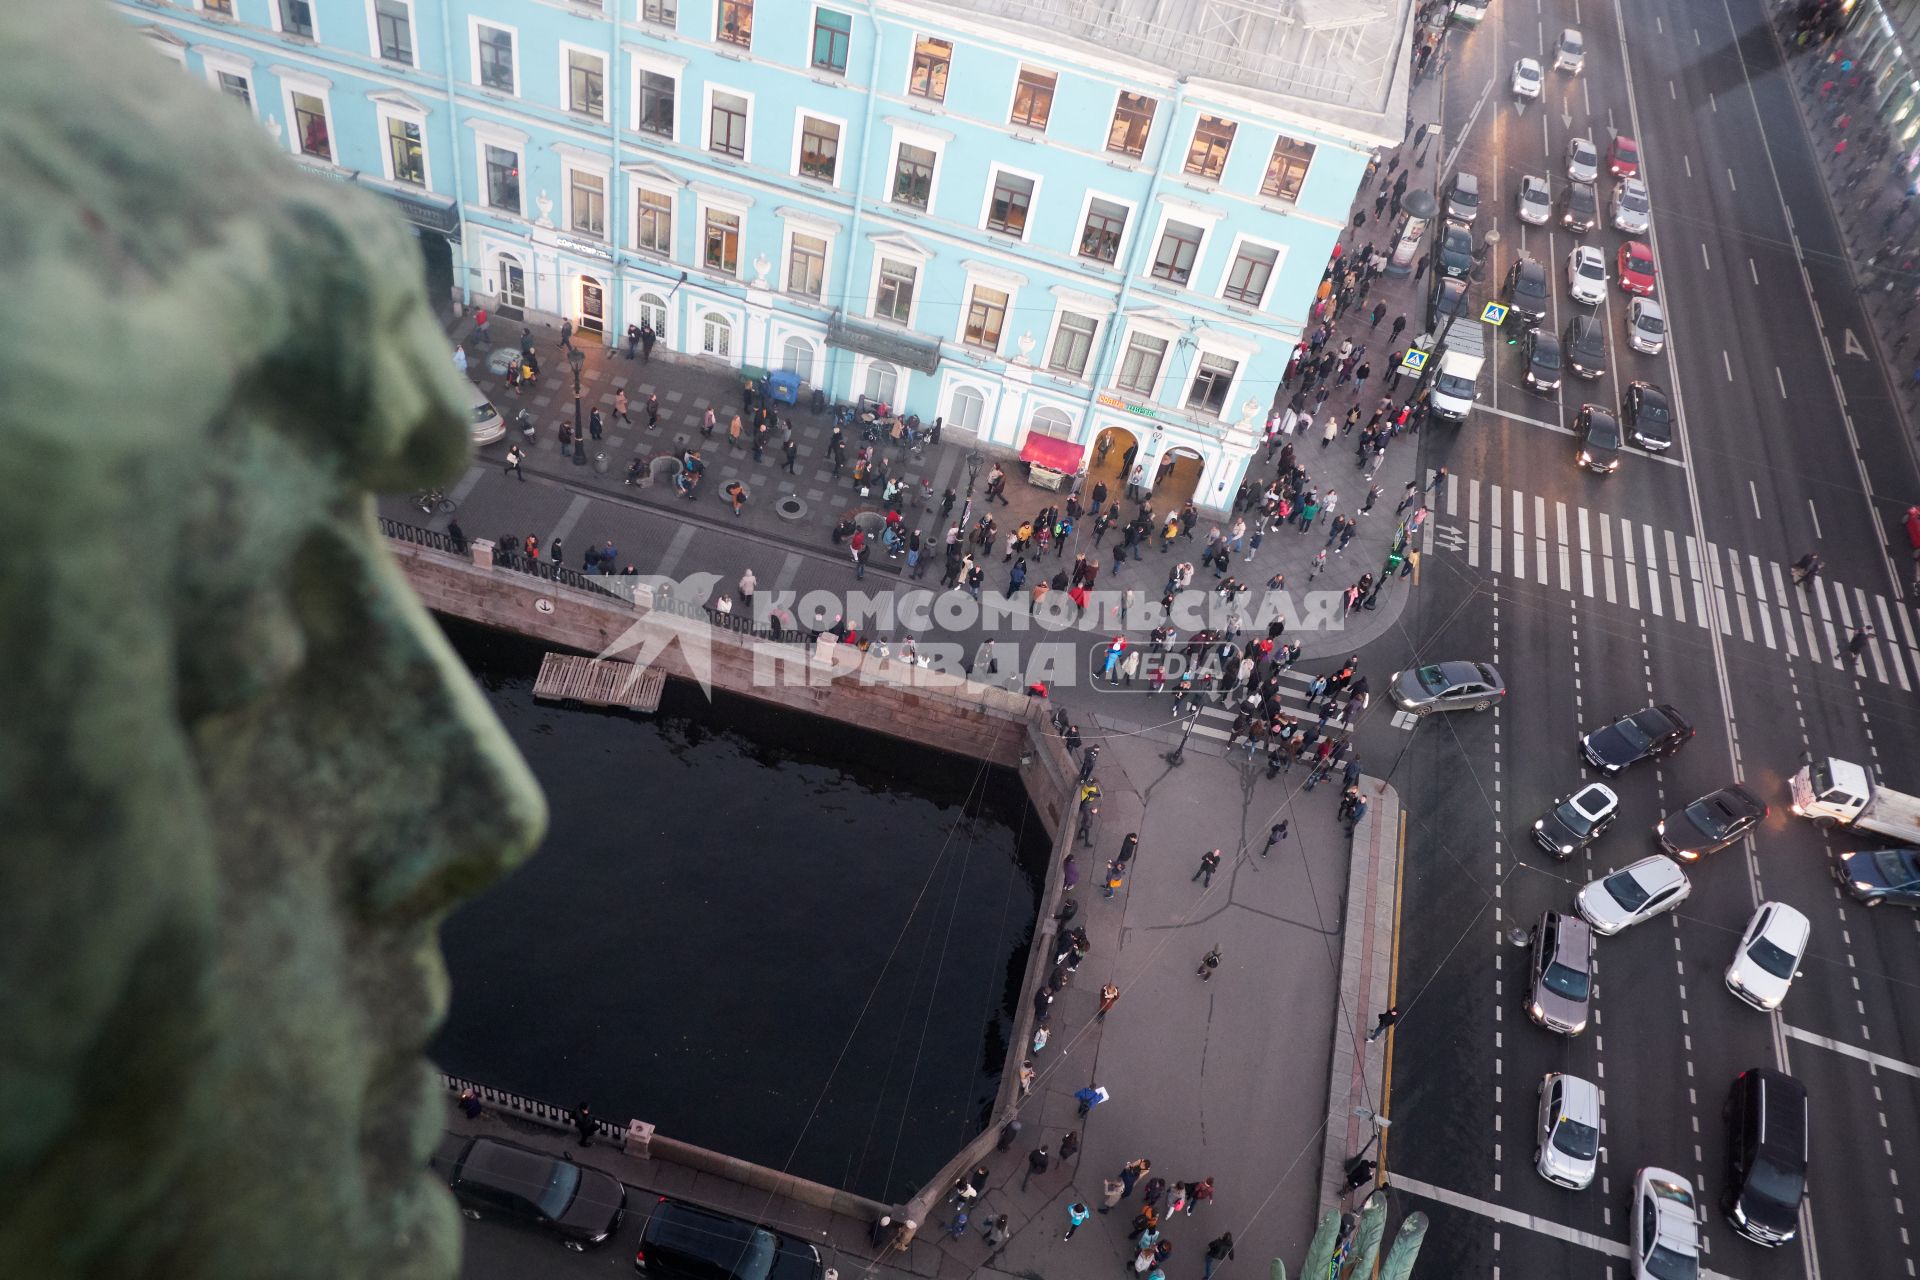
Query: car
1587, 275
1766, 1119
1447, 686
1768, 958
1463, 199
1456, 251
1536, 200
1646, 327
1526, 79
1630, 209
1623, 157
1664, 1236
1583, 160
1449, 299
1562, 973
1585, 343
1647, 417
1579, 206
1570, 51
1600, 440
1874, 876
1710, 823
690, 1241
1633, 894
1635, 268
1543, 360
486, 424
1651, 734
1568, 1154
1527, 290
1577, 821
494, 1179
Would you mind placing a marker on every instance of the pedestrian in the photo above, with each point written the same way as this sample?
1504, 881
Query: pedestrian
747, 583
595, 425
1209, 863
1857, 642
1208, 963
1219, 1250
620, 406
470, 1104
1070, 1146
1399, 324
1109, 994
1128, 847
1069, 874
566, 332
1132, 1172
1010, 1131
1116, 878
1274, 837
1439, 478
1088, 761
1111, 1191
1076, 1214
1198, 1192
997, 1232
1420, 267
513, 463
583, 1121
1090, 1097
1386, 1019
1036, 1163
1379, 314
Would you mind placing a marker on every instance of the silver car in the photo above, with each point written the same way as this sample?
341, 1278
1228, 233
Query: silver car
1562, 973
1633, 894
1568, 1131
1646, 327
1448, 686
1583, 160
1536, 200
1630, 208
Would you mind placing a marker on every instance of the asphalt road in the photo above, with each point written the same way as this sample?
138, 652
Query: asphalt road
1596, 595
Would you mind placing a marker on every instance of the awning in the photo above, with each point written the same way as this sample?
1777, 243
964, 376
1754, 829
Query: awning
1051, 452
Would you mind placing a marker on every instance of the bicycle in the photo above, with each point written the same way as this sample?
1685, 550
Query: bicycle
432, 502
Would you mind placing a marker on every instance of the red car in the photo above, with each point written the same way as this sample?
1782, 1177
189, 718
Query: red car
1623, 158
1634, 271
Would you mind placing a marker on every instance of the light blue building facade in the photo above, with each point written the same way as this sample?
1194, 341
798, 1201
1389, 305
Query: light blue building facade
1086, 229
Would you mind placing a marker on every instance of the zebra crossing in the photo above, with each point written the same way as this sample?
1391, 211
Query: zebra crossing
1217, 721
1528, 537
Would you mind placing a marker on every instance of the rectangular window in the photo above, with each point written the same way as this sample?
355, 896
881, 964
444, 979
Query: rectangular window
1072, 344
586, 83
1287, 170
723, 241
1033, 98
503, 179
893, 300
986, 316
395, 22
654, 230
1100, 238
727, 125
222, 7
1140, 364
1132, 121
819, 148
235, 86
589, 202
310, 126
1211, 383
913, 176
807, 266
1250, 274
932, 59
403, 145
1212, 139
832, 34
496, 58
664, 12
656, 103
736, 23
1007, 211
296, 18
1179, 247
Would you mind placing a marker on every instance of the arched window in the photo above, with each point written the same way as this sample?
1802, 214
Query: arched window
1049, 421
651, 309
883, 382
510, 287
965, 409
796, 356
716, 335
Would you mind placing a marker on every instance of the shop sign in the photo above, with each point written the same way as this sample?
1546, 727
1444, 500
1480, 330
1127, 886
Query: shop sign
583, 248
1138, 410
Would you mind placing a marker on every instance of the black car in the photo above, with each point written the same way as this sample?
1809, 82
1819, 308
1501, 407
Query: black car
1456, 251
1577, 821
1874, 876
1585, 342
1579, 207
1647, 416
1544, 361
1652, 734
1600, 439
691, 1242
497, 1179
1710, 823
1449, 299
1766, 1118
1527, 290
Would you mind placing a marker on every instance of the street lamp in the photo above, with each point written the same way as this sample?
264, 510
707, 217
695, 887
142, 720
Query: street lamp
975, 460
1178, 755
576, 359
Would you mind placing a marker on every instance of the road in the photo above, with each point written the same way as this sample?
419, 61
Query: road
1668, 581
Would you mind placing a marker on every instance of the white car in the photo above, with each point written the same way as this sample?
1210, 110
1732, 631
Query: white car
1632, 894
485, 422
1583, 161
1526, 78
1646, 327
1630, 208
1570, 54
1665, 1228
1587, 275
1536, 201
1568, 1131
1768, 958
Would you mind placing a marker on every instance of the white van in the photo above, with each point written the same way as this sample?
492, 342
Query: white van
1570, 53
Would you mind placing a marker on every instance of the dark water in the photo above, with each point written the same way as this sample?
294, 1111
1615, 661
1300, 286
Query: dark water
766, 934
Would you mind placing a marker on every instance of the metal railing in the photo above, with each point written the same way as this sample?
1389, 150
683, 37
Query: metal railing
514, 1104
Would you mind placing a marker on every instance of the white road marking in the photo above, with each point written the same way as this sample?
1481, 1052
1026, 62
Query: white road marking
1780, 378
1815, 513
1739, 594
1540, 539
1606, 553
1893, 644
1493, 530
1731, 182
1753, 271
1873, 646
1673, 572
1473, 523
1760, 601
1687, 161
1653, 573
1566, 552
1586, 556
1826, 1042
1703, 256
1632, 577
1708, 578
1755, 492
1726, 362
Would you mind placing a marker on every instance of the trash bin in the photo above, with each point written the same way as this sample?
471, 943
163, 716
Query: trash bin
784, 387
819, 405
600, 461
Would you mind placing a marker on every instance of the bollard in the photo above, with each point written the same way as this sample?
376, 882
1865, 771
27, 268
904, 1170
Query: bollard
482, 551
638, 1140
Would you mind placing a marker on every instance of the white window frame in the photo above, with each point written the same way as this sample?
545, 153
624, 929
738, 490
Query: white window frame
1241, 241
706, 200
489, 134
566, 78
791, 221
168, 46
1208, 220
313, 7
986, 403
986, 203
660, 64
203, 6
997, 283
732, 325
706, 122
1151, 329
931, 141
473, 52
1153, 126
868, 365
637, 187
386, 110
800, 118
1068, 430
215, 61
1222, 351
569, 164
1060, 314
884, 249
1127, 233
413, 35
314, 86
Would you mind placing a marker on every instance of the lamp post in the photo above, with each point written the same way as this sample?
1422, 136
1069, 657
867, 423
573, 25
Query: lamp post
1178, 755
975, 460
576, 359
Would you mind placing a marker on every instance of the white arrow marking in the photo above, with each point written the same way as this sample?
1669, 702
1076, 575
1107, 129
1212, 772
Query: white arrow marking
1853, 346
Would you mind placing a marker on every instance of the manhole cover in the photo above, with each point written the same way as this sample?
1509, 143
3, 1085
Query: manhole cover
790, 508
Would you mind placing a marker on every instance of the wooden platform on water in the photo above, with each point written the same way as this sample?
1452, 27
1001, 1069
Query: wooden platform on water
598, 682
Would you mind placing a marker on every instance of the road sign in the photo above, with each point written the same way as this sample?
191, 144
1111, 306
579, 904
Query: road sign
1414, 361
1494, 313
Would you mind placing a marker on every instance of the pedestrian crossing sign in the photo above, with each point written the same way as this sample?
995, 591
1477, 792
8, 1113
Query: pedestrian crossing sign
1494, 313
1414, 361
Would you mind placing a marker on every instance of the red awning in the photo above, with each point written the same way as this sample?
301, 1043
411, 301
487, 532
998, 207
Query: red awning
1051, 452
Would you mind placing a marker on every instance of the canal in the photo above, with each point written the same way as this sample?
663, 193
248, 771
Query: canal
765, 933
